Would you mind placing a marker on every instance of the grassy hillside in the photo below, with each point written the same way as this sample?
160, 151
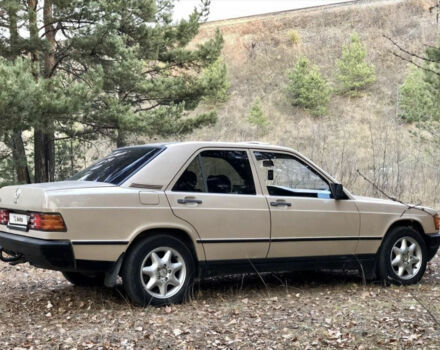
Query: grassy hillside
358, 133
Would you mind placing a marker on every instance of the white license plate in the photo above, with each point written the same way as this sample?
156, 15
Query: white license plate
18, 219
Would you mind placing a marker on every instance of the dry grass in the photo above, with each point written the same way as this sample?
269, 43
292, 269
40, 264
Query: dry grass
362, 133
40, 310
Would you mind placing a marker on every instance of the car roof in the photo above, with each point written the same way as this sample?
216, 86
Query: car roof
202, 144
179, 152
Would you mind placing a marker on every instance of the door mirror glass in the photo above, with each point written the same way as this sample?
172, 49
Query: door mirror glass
337, 191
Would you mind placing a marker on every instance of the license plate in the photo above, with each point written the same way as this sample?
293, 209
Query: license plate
18, 219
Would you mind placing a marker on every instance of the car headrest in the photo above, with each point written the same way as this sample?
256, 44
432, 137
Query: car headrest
219, 184
187, 181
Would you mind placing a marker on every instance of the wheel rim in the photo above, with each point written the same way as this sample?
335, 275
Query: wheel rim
406, 258
163, 272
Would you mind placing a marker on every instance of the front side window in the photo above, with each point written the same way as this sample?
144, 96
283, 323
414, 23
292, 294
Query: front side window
218, 171
118, 165
284, 175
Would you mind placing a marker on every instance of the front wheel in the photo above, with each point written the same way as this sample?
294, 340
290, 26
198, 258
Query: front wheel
159, 270
403, 257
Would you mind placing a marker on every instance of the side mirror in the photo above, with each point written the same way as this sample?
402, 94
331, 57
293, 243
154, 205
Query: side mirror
337, 191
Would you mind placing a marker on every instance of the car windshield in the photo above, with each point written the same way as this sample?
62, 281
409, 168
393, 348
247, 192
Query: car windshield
118, 165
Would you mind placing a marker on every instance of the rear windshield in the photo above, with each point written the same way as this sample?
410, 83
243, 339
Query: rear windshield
118, 165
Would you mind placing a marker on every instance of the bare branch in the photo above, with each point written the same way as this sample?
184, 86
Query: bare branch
408, 206
412, 56
416, 64
408, 52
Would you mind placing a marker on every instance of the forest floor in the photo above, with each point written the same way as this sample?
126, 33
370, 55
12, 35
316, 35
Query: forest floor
40, 310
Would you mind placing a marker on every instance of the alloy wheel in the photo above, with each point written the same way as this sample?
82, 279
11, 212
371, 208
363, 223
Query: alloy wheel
163, 272
406, 258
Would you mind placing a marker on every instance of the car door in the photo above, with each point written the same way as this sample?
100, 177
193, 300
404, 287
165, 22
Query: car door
306, 220
217, 194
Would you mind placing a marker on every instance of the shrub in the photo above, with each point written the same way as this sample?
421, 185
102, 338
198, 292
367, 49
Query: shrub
307, 88
354, 73
294, 37
216, 82
257, 117
416, 101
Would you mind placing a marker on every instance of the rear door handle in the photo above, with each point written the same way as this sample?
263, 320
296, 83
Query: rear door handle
189, 201
280, 204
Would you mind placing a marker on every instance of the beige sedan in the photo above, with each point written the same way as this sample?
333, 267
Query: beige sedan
161, 215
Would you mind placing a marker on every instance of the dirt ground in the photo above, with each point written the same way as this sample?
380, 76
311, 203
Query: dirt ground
40, 310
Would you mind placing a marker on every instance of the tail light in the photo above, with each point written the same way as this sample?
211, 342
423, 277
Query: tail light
437, 222
4, 216
46, 222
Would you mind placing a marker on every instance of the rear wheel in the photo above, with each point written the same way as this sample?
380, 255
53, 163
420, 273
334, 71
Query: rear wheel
159, 270
403, 257
85, 280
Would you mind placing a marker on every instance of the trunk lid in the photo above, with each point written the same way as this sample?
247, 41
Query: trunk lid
33, 197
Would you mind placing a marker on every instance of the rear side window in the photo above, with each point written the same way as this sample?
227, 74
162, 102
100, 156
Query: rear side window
218, 171
192, 179
118, 165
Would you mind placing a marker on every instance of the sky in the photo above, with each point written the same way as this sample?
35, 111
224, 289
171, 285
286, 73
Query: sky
223, 9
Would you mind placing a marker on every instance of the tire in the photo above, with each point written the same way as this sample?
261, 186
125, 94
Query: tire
158, 270
402, 257
85, 280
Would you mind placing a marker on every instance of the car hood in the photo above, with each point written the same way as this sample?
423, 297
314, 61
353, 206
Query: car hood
376, 200
34, 196
371, 201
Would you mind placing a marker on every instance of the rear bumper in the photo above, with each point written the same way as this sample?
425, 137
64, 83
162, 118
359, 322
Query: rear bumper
54, 255
49, 254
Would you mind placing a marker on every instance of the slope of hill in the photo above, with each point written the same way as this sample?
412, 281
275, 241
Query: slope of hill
358, 133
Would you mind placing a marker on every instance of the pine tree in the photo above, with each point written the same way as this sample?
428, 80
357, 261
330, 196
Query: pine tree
432, 78
307, 88
257, 117
354, 73
215, 81
416, 100
420, 93
126, 62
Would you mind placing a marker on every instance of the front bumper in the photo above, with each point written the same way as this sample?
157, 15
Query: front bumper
53, 255
433, 240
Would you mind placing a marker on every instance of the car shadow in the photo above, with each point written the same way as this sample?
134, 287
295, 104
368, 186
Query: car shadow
208, 288
253, 284
291, 280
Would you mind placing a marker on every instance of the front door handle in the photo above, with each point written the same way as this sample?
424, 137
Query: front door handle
280, 204
189, 201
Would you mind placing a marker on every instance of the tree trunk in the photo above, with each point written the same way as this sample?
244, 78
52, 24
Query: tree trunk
120, 138
16, 141
44, 156
50, 32
44, 144
19, 158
